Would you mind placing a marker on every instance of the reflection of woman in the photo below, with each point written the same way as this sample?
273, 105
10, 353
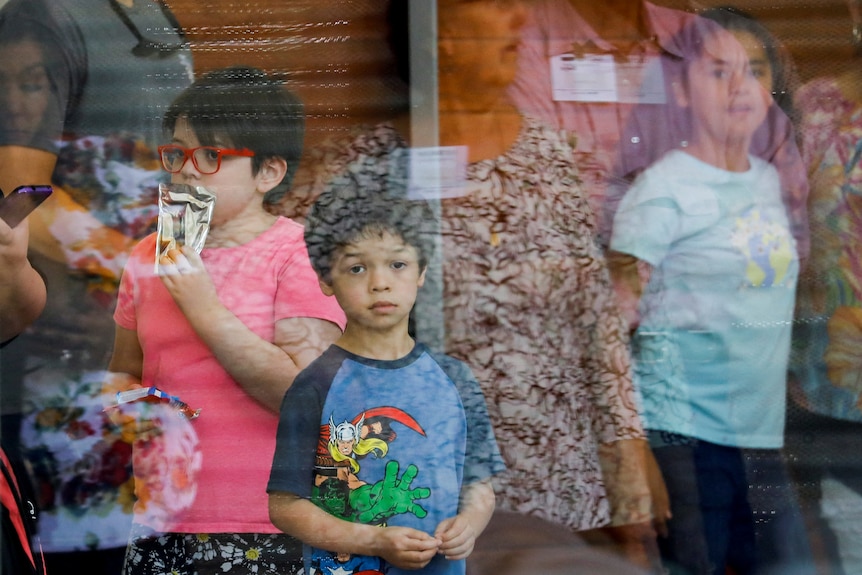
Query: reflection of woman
825, 416
25, 92
72, 62
527, 301
26, 89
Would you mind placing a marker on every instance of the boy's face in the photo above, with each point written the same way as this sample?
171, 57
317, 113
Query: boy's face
727, 100
375, 280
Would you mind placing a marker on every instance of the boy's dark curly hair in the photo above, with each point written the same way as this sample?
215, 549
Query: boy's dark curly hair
353, 207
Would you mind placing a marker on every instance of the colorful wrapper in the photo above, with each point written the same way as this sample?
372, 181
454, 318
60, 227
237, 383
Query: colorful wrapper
140, 393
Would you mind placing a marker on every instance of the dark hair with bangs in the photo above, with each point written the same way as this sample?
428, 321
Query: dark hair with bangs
353, 207
245, 108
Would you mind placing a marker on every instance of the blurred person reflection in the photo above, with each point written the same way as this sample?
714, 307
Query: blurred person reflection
82, 85
26, 89
825, 411
583, 66
769, 60
709, 223
527, 299
22, 298
602, 71
22, 289
652, 130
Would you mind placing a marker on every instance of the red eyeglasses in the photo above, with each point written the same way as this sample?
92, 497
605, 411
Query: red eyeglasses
206, 159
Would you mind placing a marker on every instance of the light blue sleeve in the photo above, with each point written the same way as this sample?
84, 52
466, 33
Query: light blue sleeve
648, 219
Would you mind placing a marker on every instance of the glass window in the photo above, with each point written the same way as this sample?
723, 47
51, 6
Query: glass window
599, 260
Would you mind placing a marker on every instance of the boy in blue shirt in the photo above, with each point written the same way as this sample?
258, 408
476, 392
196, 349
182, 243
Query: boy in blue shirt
384, 448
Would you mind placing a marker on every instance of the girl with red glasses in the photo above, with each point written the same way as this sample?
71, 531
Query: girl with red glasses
226, 330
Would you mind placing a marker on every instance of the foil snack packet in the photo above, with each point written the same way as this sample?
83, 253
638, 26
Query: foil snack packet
184, 218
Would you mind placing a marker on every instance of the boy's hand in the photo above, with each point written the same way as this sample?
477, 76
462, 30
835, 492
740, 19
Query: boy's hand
457, 537
406, 548
187, 280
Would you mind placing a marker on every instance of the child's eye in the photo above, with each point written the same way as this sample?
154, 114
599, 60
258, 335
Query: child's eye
399, 265
32, 87
356, 269
758, 72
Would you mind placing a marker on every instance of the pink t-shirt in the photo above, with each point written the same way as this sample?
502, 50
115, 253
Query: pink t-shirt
261, 282
555, 27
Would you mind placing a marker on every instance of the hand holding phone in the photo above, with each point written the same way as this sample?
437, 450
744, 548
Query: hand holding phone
23, 200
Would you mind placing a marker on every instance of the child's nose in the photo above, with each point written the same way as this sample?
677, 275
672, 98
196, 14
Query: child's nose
189, 171
739, 81
379, 281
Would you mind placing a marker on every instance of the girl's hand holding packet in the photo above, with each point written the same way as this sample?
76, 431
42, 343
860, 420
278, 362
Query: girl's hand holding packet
184, 218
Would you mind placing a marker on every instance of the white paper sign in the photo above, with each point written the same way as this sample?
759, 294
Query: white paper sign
588, 79
437, 172
599, 78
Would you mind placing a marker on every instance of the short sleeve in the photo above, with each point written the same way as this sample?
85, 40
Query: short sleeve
531, 89
297, 437
482, 458
298, 293
125, 314
646, 222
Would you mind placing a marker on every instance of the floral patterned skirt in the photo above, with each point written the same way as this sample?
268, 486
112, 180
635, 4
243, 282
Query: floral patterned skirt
214, 553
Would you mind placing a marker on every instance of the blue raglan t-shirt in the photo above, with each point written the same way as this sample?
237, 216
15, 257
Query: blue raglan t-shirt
384, 443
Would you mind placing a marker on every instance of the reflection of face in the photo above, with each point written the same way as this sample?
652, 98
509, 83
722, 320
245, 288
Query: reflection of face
478, 39
727, 101
761, 67
24, 87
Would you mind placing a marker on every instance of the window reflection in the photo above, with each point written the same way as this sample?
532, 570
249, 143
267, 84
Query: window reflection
552, 116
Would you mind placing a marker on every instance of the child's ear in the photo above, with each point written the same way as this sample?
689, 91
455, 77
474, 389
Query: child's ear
271, 173
679, 93
325, 287
421, 281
